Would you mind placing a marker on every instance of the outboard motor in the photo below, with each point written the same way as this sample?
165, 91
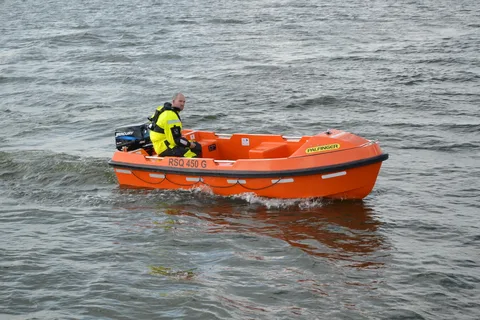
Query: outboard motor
133, 137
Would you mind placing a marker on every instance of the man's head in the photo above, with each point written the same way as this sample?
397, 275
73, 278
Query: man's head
178, 101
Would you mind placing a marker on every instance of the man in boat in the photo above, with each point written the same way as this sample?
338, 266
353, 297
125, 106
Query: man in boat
166, 131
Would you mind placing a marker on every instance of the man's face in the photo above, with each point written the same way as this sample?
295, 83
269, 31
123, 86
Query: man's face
179, 102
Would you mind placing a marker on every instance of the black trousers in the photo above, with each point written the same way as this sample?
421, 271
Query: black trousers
178, 151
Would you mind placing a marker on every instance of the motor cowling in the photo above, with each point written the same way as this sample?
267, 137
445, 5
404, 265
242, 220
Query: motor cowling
133, 137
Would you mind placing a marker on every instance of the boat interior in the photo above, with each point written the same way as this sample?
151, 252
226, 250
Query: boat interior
245, 146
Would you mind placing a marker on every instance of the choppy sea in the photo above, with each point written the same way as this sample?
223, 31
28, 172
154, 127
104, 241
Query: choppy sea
73, 245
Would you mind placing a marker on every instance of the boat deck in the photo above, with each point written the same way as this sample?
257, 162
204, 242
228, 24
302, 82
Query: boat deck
245, 146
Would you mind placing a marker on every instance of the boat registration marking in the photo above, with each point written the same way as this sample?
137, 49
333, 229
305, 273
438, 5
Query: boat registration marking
236, 181
326, 147
333, 175
288, 180
155, 175
123, 171
188, 163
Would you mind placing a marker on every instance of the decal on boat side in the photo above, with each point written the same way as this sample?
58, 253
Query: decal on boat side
185, 162
326, 147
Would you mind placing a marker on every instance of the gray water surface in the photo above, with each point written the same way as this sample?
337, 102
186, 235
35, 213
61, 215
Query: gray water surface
73, 245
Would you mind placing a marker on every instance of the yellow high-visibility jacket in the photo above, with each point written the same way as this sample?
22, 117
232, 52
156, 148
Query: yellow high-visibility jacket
166, 132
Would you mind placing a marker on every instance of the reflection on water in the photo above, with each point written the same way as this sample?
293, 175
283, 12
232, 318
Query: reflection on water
341, 230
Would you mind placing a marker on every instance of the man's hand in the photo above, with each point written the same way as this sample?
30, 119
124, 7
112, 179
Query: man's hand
192, 145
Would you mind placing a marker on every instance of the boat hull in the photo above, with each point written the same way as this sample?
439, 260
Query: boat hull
348, 173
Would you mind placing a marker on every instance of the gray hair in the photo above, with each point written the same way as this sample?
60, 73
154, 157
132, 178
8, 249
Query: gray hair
176, 95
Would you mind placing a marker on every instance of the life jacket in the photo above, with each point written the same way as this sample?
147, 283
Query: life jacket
156, 115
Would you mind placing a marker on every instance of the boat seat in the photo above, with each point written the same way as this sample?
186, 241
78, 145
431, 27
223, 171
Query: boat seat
267, 150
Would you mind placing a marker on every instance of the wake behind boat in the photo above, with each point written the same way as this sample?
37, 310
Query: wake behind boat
333, 164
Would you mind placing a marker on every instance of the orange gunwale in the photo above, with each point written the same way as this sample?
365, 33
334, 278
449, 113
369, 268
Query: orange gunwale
248, 173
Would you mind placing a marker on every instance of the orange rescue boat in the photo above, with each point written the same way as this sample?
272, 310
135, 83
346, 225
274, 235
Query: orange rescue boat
332, 164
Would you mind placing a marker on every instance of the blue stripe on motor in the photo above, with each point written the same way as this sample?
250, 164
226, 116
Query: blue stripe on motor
126, 138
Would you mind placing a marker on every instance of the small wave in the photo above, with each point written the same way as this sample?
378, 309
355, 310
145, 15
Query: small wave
322, 101
403, 125
112, 58
443, 61
161, 32
313, 102
458, 94
293, 106
461, 128
227, 21
13, 79
86, 107
447, 280
459, 77
267, 67
184, 22
453, 147
69, 39
212, 117
472, 240
411, 82
358, 58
